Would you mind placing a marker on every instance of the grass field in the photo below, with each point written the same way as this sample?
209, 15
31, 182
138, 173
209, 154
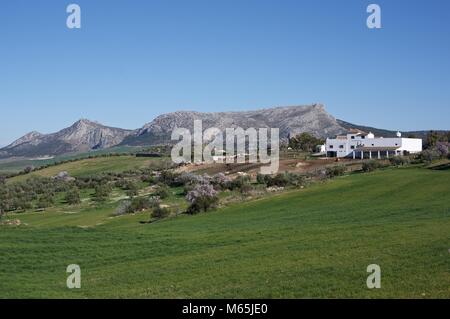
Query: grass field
91, 166
315, 242
16, 165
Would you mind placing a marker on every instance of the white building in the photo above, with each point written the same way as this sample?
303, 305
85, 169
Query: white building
361, 145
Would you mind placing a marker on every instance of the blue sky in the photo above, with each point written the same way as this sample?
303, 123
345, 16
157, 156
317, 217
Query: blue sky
133, 60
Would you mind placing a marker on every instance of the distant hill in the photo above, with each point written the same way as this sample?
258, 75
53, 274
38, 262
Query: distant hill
82, 136
385, 133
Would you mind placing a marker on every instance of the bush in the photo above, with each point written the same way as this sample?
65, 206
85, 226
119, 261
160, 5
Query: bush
335, 171
279, 180
240, 181
139, 204
370, 166
399, 160
429, 155
160, 212
261, 178
221, 181
162, 191
124, 208
169, 178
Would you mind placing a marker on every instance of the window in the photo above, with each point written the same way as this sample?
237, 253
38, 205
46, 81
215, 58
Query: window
341, 146
331, 146
363, 137
353, 137
352, 147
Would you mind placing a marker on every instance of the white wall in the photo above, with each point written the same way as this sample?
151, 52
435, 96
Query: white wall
412, 145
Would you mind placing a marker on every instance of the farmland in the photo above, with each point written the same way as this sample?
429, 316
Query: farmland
313, 242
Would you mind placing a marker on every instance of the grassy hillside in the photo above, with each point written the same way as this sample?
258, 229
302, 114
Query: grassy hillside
92, 166
315, 242
16, 165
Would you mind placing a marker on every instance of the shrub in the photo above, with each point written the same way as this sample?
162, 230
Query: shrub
399, 160
261, 178
123, 208
279, 180
429, 155
221, 181
169, 178
139, 204
240, 181
370, 166
162, 191
160, 212
335, 171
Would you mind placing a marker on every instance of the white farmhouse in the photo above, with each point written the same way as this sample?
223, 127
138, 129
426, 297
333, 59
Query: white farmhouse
361, 145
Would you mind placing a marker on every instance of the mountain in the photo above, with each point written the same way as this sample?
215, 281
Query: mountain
82, 136
291, 120
86, 135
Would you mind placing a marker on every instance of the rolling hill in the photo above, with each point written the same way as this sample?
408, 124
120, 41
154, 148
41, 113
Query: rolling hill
310, 243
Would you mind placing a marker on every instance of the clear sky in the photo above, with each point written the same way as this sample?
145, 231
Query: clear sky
133, 60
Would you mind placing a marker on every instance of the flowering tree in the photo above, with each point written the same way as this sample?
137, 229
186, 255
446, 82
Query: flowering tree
220, 180
442, 149
202, 197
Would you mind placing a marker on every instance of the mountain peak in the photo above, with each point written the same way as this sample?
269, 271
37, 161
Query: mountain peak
27, 138
84, 135
84, 121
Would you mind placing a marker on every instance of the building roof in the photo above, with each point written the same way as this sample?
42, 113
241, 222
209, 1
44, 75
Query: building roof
356, 131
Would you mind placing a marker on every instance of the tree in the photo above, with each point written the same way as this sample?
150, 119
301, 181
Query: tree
73, 196
102, 192
305, 142
202, 197
28, 169
434, 137
442, 149
132, 189
45, 201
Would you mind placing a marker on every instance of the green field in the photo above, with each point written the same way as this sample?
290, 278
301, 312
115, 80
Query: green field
92, 166
16, 165
315, 242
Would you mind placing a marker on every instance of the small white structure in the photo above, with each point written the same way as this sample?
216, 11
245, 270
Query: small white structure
321, 149
358, 144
